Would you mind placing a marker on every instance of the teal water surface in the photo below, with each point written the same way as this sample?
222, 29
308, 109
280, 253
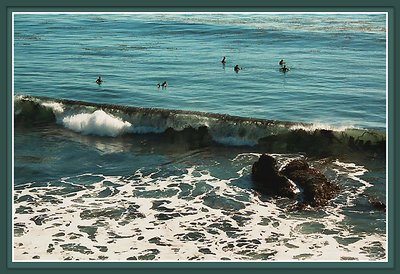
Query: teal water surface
109, 179
337, 62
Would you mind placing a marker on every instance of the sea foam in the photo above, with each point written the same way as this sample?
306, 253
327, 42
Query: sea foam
190, 216
97, 123
318, 126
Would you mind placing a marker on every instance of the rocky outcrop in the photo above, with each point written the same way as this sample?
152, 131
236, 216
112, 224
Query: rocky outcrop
316, 189
268, 180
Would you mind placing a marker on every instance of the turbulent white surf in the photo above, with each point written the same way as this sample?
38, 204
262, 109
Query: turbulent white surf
188, 216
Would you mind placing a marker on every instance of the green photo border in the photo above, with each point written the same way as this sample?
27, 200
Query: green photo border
9, 6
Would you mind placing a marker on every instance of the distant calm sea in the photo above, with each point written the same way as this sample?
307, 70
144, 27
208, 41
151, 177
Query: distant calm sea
127, 170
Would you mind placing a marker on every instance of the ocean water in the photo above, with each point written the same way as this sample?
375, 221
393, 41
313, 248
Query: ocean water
127, 171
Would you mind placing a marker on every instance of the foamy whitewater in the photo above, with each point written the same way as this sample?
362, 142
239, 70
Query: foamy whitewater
125, 171
191, 216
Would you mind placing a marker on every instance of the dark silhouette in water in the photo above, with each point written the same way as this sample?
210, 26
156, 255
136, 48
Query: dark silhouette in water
284, 69
223, 61
237, 68
268, 179
281, 62
378, 205
99, 80
163, 85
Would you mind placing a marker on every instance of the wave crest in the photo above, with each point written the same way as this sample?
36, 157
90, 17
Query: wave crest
97, 123
197, 127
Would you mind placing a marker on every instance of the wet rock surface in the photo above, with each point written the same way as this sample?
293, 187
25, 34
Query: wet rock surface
268, 180
316, 189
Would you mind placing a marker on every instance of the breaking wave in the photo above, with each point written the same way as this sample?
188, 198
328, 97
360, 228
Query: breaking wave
97, 123
199, 128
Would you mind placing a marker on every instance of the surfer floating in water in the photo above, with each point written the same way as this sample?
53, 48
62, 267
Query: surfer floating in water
223, 60
163, 85
236, 68
284, 69
281, 62
99, 81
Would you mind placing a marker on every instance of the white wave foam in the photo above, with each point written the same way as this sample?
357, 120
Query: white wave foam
57, 108
98, 123
317, 126
354, 172
75, 229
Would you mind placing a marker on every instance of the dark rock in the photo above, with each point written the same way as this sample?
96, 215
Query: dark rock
268, 180
295, 165
317, 190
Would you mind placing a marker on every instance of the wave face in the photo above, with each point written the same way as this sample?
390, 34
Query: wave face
198, 128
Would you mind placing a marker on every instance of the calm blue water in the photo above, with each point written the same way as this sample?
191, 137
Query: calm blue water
337, 63
96, 181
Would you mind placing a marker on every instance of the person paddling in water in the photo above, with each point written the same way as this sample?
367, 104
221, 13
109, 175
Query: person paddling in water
163, 85
284, 69
281, 62
99, 80
237, 68
223, 60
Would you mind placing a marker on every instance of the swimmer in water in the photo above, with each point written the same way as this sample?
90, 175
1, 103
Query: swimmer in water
281, 62
284, 69
236, 68
99, 81
158, 85
223, 60
165, 84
